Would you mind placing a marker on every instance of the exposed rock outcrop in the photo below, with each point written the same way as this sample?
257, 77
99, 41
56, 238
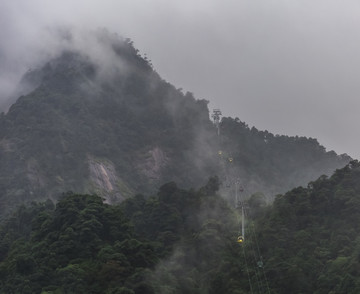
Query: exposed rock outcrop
154, 163
104, 180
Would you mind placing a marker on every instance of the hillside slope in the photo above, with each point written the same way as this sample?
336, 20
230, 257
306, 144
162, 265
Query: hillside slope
310, 236
184, 241
103, 121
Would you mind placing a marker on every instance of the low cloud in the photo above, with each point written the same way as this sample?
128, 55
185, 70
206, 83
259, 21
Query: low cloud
286, 66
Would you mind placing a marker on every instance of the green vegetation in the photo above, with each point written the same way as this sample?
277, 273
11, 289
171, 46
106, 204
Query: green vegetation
274, 164
310, 236
85, 246
184, 241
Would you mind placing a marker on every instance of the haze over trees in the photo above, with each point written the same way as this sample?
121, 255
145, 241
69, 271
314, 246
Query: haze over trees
151, 206
184, 241
99, 119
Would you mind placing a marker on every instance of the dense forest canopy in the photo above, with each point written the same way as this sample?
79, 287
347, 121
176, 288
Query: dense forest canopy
310, 236
85, 246
184, 241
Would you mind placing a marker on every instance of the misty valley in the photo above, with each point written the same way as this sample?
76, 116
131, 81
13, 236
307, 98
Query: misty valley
114, 181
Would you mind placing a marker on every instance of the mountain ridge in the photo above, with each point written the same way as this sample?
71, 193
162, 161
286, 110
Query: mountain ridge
109, 124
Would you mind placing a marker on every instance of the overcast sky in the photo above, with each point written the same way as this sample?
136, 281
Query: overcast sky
288, 66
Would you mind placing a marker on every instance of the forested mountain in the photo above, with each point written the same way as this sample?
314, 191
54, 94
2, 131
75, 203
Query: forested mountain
271, 163
184, 241
102, 120
310, 237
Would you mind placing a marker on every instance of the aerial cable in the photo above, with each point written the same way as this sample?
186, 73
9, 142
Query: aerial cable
240, 203
249, 244
247, 270
257, 274
242, 222
260, 274
253, 253
242, 208
258, 261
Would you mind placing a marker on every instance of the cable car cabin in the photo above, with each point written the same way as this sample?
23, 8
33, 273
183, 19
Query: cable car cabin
240, 239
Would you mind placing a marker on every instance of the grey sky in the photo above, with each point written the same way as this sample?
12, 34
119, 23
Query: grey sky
289, 66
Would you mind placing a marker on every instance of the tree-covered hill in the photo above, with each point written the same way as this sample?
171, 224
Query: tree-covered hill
273, 163
172, 242
310, 236
101, 120
184, 241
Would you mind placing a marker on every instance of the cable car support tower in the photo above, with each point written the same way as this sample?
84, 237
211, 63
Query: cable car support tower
216, 116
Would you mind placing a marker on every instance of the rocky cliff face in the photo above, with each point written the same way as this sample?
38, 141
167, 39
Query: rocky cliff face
105, 182
154, 163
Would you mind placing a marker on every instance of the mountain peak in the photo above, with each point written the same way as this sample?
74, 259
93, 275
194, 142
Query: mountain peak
98, 119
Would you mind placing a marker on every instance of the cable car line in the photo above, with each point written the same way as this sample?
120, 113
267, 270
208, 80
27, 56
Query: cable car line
259, 271
247, 270
250, 245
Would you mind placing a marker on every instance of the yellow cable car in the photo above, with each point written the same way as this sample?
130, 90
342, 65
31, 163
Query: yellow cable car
240, 239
